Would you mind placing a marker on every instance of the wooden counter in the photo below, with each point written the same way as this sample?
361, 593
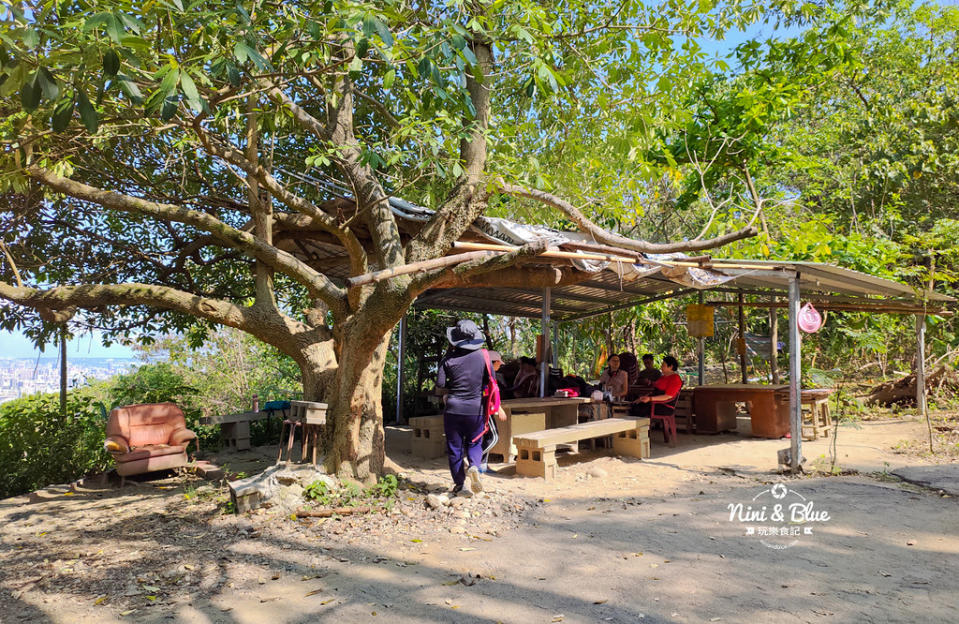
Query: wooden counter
715, 408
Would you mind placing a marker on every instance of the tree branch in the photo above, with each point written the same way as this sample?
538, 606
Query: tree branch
616, 240
65, 299
475, 267
318, 285
468, 200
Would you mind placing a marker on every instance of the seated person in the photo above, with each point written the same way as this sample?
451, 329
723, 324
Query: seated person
668, 387
526, 383
649, 374
614, 379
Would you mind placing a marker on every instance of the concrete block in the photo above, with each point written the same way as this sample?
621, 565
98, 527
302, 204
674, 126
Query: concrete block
536, 462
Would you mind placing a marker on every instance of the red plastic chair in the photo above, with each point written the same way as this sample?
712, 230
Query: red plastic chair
666, 412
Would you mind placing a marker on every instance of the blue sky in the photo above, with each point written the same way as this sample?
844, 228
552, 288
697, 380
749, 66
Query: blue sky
18, 346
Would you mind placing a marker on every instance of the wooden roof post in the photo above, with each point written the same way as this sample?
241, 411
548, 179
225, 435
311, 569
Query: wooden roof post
544, 365
795, 377
743, 358
700, 354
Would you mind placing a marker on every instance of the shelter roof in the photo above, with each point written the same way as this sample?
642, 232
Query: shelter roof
612, 278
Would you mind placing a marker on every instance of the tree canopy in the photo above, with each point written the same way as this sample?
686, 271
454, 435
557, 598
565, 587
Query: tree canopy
164, 164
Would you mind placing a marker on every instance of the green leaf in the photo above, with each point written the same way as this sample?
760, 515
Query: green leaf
130, 22
383, 31
129, 88
169, 109
170, 79
190, 91
30, 94
88, 114
48, 84
388, 79
362, 47
241, 52
62, 113
111, 63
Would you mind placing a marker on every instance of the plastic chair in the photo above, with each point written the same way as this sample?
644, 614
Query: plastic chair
666, 412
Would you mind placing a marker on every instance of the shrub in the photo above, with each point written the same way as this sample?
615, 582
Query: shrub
40, 446
159, 383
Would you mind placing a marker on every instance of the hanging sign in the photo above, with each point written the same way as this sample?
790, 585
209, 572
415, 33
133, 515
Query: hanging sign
699, 320
810, 320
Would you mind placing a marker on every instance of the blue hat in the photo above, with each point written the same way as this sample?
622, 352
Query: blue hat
465, 335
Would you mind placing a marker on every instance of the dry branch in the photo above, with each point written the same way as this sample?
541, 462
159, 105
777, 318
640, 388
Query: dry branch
609, 238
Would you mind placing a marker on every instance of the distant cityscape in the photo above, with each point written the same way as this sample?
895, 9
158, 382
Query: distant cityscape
21, 377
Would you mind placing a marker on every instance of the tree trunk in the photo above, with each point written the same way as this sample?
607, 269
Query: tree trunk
353, 441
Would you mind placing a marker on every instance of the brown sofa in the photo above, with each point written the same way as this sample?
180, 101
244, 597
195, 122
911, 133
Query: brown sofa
146, 437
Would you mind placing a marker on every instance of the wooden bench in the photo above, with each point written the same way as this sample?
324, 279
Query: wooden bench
537, 451
235, 428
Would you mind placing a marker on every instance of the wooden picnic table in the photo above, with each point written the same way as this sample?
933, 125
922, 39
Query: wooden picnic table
715, 408
534, 414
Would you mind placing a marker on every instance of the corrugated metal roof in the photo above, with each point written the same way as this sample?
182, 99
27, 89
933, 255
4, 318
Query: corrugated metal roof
606, 291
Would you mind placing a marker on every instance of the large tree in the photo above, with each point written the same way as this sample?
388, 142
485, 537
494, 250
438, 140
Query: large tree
164, 165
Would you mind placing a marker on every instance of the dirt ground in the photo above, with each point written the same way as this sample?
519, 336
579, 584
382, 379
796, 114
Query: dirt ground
610, 540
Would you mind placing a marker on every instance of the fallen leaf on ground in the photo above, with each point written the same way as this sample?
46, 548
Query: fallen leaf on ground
99, 600
122, 613
884, 573
603, 601
466, 549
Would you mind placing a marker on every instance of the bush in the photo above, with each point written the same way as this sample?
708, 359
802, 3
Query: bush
40, 446
159, 383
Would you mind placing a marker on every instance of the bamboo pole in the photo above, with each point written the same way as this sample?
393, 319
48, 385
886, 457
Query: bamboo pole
425, 265
552, 252
839, 307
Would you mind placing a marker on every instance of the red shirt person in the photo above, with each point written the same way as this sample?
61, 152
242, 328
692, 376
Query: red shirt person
668, 386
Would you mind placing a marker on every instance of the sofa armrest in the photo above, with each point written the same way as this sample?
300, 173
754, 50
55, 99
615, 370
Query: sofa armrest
181, 436
116, 445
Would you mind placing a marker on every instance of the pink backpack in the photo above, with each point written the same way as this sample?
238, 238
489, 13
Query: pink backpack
490, 392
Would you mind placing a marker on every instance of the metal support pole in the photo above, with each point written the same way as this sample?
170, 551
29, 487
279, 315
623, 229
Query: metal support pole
741, 347
63, 370
774, 343
554, 350
795, 376
700, 354
400, 371
544, 365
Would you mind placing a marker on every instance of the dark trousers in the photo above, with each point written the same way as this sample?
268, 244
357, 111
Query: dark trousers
641, 409
461, 430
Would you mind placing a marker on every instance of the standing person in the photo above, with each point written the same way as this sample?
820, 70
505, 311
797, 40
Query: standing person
615, 379
497, 361
463, 374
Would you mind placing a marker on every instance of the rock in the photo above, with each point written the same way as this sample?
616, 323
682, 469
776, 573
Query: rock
458, 501
597, 473
437, 501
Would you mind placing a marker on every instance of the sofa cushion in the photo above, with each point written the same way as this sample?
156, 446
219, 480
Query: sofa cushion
150, 450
